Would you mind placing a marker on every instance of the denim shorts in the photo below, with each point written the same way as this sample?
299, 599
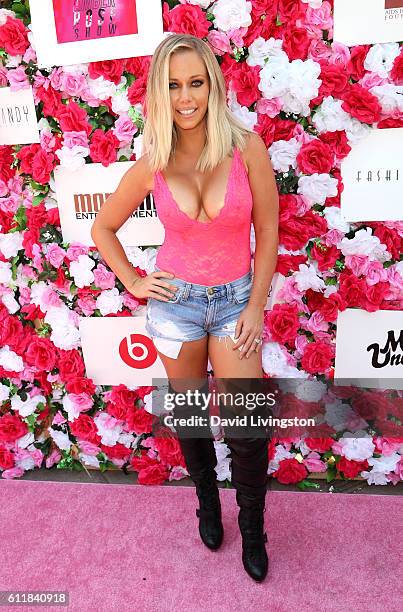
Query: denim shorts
196, 310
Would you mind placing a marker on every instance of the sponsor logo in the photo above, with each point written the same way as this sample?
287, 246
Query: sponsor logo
378, 176
138, 351
87, 205
390, 354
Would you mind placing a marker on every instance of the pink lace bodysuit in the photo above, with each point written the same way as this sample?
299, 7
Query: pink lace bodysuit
211, 253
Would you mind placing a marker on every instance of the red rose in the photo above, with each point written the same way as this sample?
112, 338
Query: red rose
290, 10
325, 256
14, 36
73, 118
139, 66
154, 474
142, 461
316, 223
320, 445
296, 42
6, 459
245, 81
290, 471
338, 143
294, 233
12, 428
139, 420
103, 147
84, 428
397, 71
6, 159
117, 451
391, 122
283, 129
289, 263
263, 15
70, 364
351, 469
51, 99
361, 104
352, 289
265, 128
390, 237
41, 354
137, 91
10, 330
42, 165
334, 80
80, 384
356, 64
169, 451
283, 323
316, 156
122, 396
317, 357
117, 410
374, 296
189, 19
111, 70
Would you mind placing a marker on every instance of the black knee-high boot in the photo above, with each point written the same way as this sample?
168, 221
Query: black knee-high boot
200, 458
249, 467
249, 464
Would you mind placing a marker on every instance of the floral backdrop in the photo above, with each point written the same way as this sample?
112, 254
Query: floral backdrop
310, 99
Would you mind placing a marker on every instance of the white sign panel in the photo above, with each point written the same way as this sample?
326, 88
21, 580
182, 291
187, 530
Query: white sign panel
67, 32
81, 194
118, 350
369, 345
358, 22
373, 178
18, 123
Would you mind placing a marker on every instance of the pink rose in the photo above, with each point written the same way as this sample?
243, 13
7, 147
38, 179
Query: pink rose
18, 79
124, 129
219, 42
72, 139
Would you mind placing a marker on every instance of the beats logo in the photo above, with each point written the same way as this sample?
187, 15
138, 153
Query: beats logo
138, 351
393, 4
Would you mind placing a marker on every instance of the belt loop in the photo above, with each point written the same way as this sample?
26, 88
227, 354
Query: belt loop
230, 291
186, 291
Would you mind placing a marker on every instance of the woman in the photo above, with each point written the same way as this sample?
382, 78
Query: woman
210, 177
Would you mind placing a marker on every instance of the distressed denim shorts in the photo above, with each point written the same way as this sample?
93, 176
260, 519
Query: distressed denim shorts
195, 310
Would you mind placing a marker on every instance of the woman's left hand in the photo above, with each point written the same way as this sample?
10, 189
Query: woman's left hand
249, 326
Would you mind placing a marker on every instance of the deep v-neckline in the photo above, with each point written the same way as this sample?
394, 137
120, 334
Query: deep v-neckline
227, 192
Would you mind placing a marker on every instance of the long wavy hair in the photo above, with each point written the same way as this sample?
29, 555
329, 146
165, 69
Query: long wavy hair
223, 130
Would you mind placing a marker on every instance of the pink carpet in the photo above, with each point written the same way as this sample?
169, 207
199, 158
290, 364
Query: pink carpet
119, 547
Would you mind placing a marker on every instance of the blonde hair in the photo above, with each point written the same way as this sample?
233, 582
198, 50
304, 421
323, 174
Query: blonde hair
223, 130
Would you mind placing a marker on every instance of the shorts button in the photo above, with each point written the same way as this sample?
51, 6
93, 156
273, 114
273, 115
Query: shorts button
210, 290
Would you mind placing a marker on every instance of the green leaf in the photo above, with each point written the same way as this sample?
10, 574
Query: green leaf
20, 217
331, 472
36, 200
305, 484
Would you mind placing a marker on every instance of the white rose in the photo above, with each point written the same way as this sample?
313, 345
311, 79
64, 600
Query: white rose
363, 243
335, 219
10, 360
29, 406
261, 50
390, 97
108, 427
61, 439
73, 158
109, 301
384, 464
317, 187
330, 117
307, 278
231, 14
6, 276
275, 362
376, 478
274, 78
81, 271
380, 58
283, 154
357, 448
10, 303
101, 88
10, 244
4, 392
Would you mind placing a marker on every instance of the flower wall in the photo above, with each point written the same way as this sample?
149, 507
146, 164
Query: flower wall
311, 100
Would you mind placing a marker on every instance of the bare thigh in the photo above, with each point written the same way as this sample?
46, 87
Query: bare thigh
191, 362
226, 363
